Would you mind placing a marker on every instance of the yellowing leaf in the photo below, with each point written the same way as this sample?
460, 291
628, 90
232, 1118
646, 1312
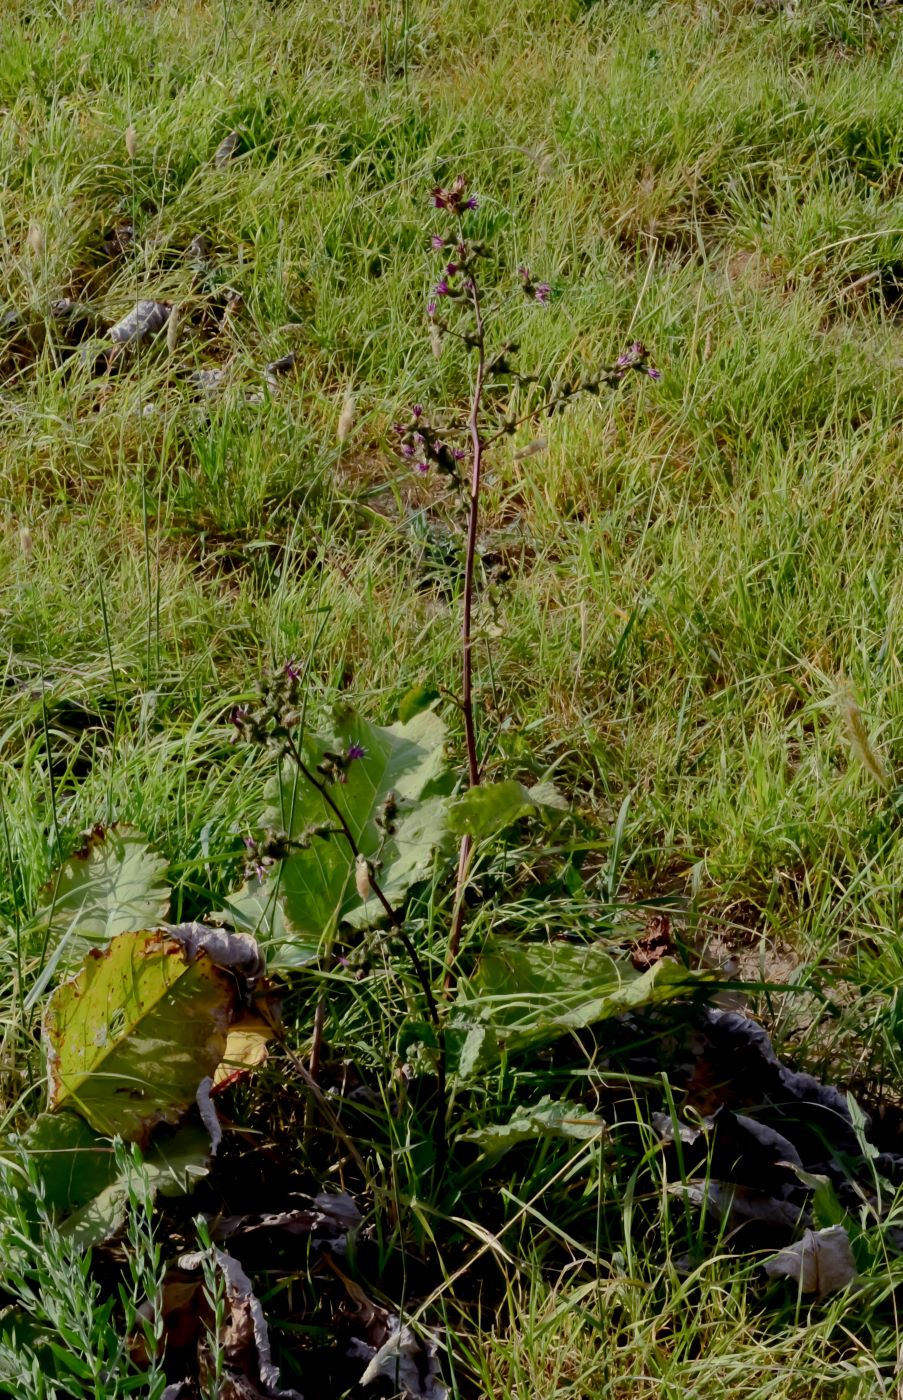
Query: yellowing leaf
246, 1047
133, 1034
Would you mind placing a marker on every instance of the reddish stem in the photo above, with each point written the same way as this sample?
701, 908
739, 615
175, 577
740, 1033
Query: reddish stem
470, 736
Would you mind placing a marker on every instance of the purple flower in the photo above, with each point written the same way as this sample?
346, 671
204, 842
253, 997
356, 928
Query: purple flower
442, 288
451, 269
355, 751
635, 358
407, 449
292, 670
250, 843
653, 373
431, 308
422, 468
437, 242
417, 410
540, 291
452, 198
459, 454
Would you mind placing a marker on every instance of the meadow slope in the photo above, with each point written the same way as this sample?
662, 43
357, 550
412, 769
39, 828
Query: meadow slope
692, 588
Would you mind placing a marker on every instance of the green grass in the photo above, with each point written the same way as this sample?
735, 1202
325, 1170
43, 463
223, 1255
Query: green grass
699, 570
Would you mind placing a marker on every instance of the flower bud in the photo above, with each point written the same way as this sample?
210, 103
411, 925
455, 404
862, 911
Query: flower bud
362, 877
532, 449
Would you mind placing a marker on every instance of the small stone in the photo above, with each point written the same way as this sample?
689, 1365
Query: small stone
226, 149
199, 252
119, 239
207, 381
285, 365
147, 318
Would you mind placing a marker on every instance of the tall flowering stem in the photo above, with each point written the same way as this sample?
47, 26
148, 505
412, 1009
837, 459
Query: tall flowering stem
473, 519
431, 445
470, 734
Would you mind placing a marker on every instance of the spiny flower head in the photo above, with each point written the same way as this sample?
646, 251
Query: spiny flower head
636, 356
536, 291
453, 198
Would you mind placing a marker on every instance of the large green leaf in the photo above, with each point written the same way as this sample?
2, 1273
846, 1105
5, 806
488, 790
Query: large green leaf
114, 884
315, 887
523, 995
257, 908
131, 1036
548, 1118
484, 811
88, 1189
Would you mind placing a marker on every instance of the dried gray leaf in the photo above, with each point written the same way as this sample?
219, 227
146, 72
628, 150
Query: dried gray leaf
670, 1129
740, 1205
226, 149
145, 319
408, 1363
771, 1139
338, 1208
242, 1301
236, 950
333, 1217
735, 1031
207, 1111
821, 1262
